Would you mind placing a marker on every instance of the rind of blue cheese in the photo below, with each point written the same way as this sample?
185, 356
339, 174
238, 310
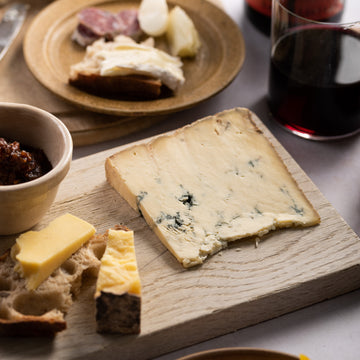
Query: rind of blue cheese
211, 182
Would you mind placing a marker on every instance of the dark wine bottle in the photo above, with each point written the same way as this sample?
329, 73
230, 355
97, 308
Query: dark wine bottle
259, 11
259, 14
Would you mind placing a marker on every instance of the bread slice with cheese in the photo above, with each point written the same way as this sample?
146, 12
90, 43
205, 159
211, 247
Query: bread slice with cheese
41, 311
125, 69
212, 182
39, 253
118, 287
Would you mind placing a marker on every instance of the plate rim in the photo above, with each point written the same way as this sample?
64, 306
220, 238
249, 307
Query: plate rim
219, 353
119, 107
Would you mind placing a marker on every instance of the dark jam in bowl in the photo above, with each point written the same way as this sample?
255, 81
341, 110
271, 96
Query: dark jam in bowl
19, 165
314, 85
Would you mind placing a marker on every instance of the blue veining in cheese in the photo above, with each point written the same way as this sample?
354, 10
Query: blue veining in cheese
211, 182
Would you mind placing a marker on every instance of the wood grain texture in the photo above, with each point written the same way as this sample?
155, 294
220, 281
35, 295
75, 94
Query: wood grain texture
240, 286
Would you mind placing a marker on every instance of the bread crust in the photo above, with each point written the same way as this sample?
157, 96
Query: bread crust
31, 326
124, 87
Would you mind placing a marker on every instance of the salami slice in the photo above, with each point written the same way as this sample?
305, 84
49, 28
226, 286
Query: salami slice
96, 23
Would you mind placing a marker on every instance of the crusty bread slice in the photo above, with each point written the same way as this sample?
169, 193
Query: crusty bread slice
41, 312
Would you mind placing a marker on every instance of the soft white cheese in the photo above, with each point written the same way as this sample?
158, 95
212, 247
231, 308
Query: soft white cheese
140, 59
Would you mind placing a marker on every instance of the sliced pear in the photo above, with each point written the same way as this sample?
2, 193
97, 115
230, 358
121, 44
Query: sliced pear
181, 34
153, 17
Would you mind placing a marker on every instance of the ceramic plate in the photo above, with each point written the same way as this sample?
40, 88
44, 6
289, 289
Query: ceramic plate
49, 53
242, 354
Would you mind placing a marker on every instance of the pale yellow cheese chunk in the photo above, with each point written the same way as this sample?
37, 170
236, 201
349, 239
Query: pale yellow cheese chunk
39, 253
118, 271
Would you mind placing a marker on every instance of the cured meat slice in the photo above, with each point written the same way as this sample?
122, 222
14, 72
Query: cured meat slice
128, 19
96, 23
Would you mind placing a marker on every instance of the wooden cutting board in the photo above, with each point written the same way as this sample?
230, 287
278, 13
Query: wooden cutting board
240, 286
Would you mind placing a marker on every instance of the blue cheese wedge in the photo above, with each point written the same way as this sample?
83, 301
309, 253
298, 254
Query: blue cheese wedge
214, 181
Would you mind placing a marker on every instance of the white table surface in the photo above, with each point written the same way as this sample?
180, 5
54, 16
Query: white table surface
329, 330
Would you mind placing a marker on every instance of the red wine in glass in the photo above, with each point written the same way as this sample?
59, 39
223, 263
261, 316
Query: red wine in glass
314, 83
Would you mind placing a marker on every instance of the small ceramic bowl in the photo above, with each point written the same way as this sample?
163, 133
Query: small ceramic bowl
24, 204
